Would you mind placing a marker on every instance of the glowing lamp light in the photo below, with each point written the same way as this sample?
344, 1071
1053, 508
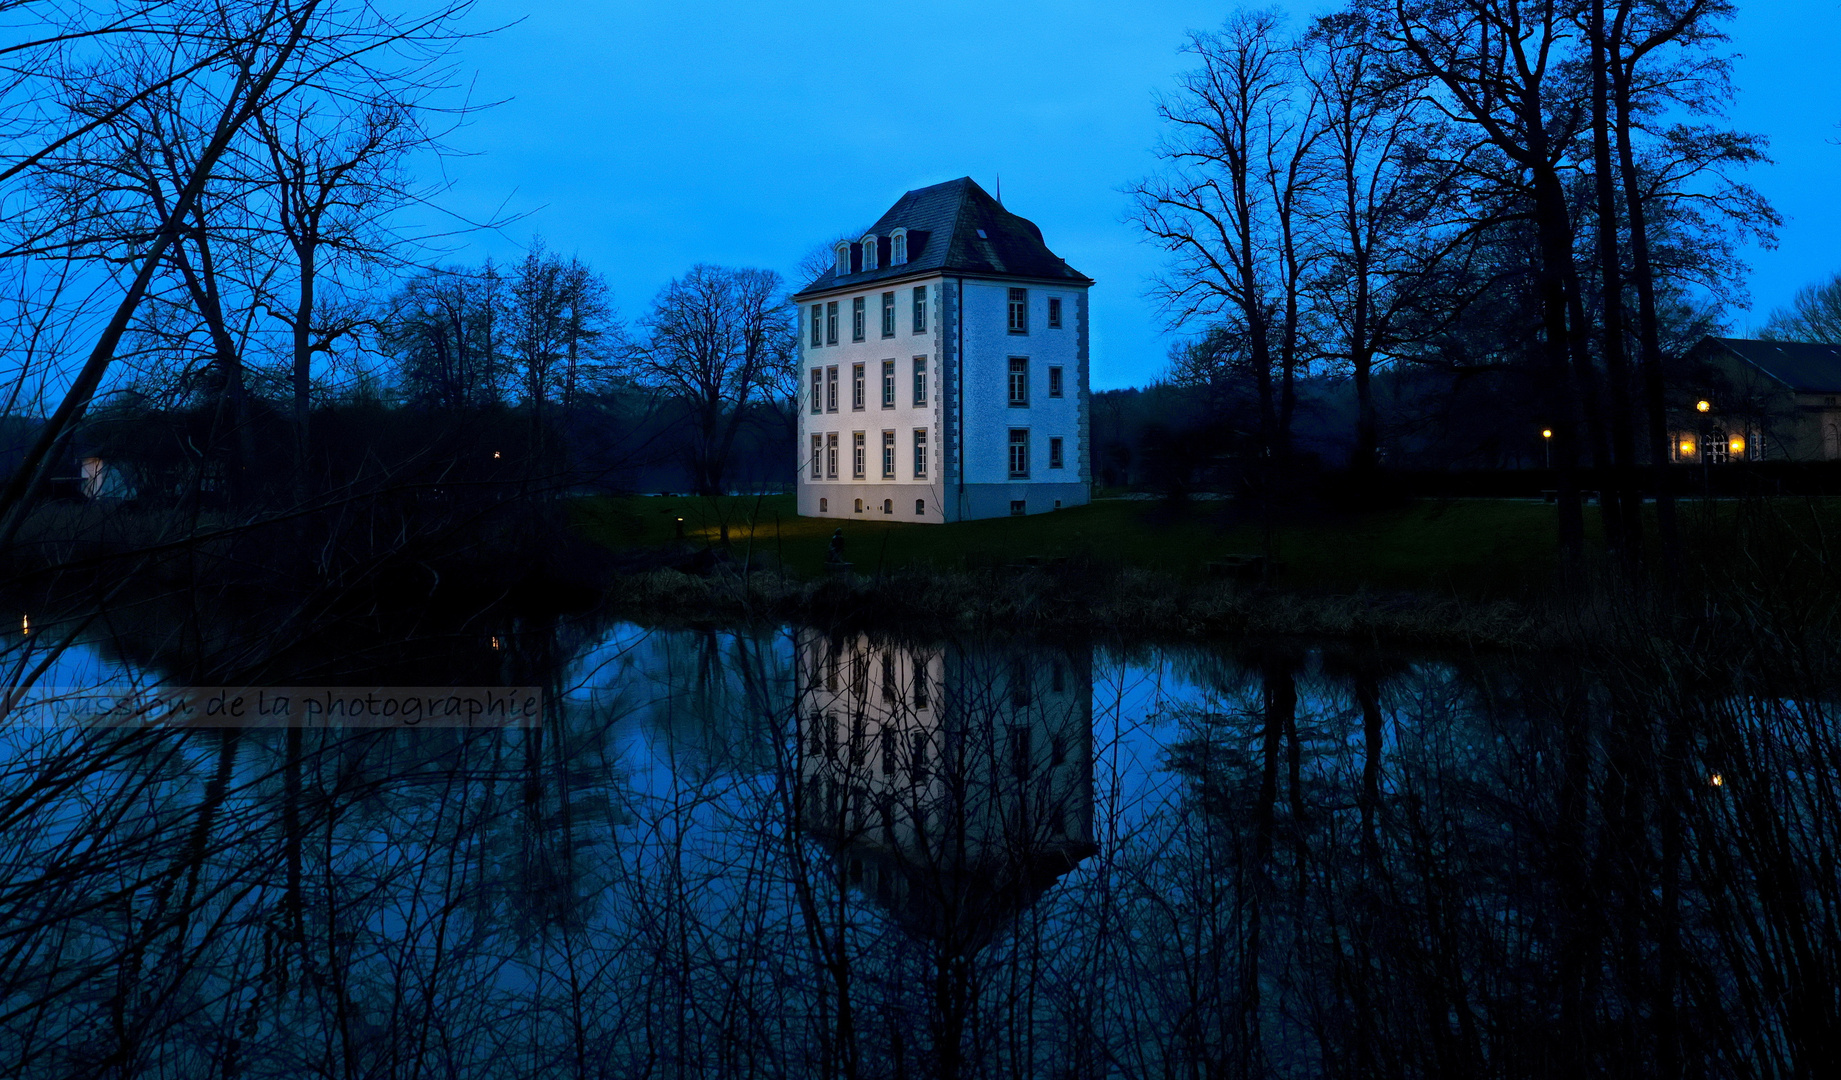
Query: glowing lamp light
1546, 433
495, 455
1702, 405
25, 624
1736, 445
1687, 447
1717, 780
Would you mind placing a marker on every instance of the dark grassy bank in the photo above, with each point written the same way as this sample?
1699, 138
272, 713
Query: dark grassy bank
1471, 548
1447, 572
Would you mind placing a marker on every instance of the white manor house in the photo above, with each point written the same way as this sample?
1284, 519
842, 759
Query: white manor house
945, 359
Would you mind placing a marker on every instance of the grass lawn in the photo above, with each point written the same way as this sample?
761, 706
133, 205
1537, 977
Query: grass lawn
1473, 547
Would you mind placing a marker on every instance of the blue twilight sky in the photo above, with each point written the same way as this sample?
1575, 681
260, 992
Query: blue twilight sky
649, 137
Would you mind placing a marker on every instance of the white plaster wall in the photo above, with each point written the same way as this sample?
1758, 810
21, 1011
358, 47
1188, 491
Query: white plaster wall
988, 415
873, 419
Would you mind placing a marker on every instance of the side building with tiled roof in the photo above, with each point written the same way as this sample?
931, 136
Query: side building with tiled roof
1763, 400
945, 360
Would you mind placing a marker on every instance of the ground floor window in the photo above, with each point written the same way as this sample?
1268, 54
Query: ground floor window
818, 456
858, 465
920, 453
888, 506
920, 506
1054, 453
1019, 452
831, 455
1715, 446
1017, 508
859, 506
888, 455
824, 506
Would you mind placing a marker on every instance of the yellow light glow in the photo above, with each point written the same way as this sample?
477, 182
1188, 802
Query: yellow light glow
1736, 444
495, 643
1717, 780
495, 455
25, 624
1702, 405
1546, 433
1687, 447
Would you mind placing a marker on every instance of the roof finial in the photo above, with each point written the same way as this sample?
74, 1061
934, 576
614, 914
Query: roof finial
1000, 189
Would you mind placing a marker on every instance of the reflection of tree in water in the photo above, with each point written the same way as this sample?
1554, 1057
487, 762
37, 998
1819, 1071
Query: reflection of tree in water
712, 695
1359, 865
1511, 873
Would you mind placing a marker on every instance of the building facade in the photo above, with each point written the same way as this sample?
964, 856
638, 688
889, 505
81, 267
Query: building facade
1751, 399
945, 361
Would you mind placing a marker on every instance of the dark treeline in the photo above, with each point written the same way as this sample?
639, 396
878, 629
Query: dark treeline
227, 230
1529, 193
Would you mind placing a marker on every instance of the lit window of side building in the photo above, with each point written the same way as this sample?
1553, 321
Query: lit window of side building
964, 303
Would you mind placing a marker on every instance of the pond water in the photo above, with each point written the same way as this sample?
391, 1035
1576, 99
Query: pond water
793, 852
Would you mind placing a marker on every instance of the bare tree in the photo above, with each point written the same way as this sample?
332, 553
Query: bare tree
713, 339
1380, 222
331, 179
171, 106
1228, 207
443, 328
1814, 315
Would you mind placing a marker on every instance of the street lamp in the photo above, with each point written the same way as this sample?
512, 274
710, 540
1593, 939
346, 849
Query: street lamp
1702, 405
1547, 441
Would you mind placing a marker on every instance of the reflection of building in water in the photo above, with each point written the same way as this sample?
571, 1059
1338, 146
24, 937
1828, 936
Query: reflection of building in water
955, 781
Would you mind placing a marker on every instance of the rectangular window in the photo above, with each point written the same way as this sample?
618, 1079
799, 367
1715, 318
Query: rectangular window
831, 323
818, 325
856, 318
1019, 452
1019, 311
898, 249
888, 455
856, 386
831, 388
920, 684
920, 453
920, 309
818, 456
831, 456
1054, 382
888, 314
1019, 381
888, 384
920, 381
1054, 453
857, 464
818, 390
1054, 313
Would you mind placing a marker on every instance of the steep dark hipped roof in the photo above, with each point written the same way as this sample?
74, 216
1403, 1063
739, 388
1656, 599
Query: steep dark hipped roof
943, 223
1805, 366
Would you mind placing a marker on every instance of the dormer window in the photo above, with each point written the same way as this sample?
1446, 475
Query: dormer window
898, 247
843, 257
869, 252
